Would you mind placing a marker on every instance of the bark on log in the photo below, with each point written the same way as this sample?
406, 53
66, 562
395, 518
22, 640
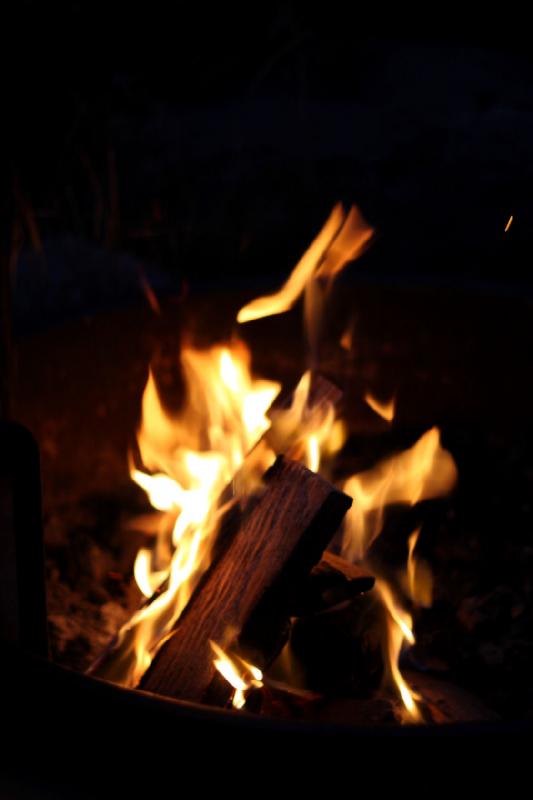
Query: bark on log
280, 539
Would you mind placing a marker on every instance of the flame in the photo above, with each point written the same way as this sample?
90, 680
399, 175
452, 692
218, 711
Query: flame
147, 580
305, 431
385, 410
346, 340
399, 631
188, 460
238, 673
422, 472
223, 417
342, 239
419, 576
509, 223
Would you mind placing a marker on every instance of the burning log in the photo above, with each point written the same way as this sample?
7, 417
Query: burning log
332, 582
280, 539
322, 392
318, 397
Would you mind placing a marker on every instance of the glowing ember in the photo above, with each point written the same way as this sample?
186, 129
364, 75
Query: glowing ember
149, 293
346, 341
509, 223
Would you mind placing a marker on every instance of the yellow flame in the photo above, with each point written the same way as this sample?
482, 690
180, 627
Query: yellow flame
399, 631
509, 223
189, 459
147, 579
342, 239
385, 410
241, 676
306, 431
422, 472
419, 576
313, 452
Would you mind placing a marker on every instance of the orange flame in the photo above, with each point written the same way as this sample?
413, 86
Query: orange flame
423, 472
419, 576
384, 410
342, 239
306, 432
238, 673
346, 340
189, 458
399, 631
192, 457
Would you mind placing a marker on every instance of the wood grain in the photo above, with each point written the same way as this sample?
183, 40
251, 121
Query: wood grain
281, 538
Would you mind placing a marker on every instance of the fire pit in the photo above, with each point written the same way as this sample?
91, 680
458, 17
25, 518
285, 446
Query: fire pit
284, 509
319, 645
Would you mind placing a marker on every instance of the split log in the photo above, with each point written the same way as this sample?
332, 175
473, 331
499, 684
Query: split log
322, 393
280, 539
285, 439
333, 581
340, 649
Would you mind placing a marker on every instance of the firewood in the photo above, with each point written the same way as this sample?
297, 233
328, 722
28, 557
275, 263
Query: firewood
333, 581
340, 649
280, 539
321, 393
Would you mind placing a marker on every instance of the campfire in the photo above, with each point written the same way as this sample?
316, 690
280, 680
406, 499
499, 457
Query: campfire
262, 548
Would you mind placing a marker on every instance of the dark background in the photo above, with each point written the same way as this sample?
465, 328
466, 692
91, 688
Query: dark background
205, 147
209, 144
